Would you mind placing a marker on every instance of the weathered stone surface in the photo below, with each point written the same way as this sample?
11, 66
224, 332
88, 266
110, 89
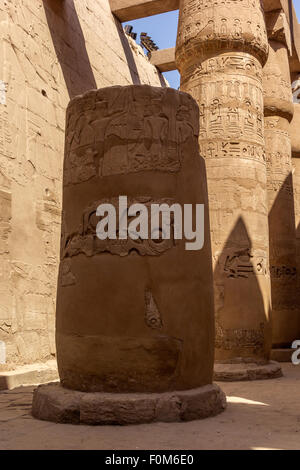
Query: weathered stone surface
50, 51
220, 57
279, 110
127, 10
55, 403
294, 131
295, 138
296, 90
133, 316
52, 402
32, 374
247, 371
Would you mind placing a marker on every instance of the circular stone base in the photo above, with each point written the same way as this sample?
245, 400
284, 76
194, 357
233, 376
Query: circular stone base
52, 402
246, 371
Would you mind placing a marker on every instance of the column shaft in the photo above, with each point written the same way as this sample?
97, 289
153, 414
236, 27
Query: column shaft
220, 57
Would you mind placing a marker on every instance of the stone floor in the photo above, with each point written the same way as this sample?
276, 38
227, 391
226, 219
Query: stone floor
260, 415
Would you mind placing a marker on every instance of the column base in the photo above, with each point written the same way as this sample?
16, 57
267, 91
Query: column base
237, 372
282, 355
52, 402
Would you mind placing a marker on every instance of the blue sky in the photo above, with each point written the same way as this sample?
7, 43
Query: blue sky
163, 30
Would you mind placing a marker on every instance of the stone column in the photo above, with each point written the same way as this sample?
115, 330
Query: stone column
221, 49
295, 138
279, 110
135, 319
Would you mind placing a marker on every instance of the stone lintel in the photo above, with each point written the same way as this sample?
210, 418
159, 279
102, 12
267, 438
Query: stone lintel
128, 10
164, 59
271, 5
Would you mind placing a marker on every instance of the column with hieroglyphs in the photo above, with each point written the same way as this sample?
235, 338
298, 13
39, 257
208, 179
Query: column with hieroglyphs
296, 88
278, 111
220, 56
135, 317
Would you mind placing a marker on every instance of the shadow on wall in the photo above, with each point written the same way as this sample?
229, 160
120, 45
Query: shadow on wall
69, 45
283, 262
128, 54
243, 327
283, 210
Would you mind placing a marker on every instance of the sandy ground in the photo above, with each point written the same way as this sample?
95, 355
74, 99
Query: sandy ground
260, 415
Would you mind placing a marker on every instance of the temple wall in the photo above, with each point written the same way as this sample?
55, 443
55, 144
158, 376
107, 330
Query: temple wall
50, 52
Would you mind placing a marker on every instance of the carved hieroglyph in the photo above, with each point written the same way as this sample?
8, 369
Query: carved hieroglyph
221, 48
132, 316
283, 266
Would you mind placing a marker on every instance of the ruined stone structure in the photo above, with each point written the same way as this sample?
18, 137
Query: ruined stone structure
133, 317
220, 57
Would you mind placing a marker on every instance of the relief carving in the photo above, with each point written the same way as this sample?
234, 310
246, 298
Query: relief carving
85, 240
107, 142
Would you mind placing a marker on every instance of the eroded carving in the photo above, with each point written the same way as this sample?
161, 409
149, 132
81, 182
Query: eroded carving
85, 241
136, 135
152, 315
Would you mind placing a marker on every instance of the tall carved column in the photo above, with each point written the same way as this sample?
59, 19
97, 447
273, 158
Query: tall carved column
296, 87
135, 323
295, 137
220, 56
279, 110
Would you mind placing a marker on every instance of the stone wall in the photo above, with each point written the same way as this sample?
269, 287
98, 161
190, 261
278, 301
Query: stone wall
50, 51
